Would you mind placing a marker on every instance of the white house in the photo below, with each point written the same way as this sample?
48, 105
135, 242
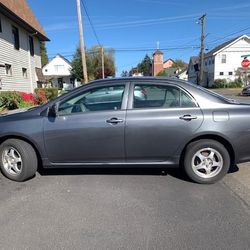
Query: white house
222, 62
20, 37
58, 72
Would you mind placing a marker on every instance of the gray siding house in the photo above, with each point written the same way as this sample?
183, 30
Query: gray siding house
20, 38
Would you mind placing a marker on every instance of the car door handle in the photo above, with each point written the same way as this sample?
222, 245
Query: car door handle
114, 120
188, 117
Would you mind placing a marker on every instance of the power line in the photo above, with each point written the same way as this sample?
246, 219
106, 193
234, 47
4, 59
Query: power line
90, 22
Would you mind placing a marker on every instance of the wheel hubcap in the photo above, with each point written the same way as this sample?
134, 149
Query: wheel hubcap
12, 161
207, 162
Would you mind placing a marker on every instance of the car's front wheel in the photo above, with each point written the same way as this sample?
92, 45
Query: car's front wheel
18, 160
206, 161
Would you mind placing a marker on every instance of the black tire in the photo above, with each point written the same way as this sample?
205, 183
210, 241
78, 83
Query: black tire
26, 152
198, 176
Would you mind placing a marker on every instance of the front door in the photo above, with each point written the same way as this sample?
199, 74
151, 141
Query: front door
159, 121
89, 127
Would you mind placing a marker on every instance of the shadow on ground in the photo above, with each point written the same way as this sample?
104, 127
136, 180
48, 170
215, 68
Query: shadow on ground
176, 173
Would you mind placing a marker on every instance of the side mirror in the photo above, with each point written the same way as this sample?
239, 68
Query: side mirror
53, 110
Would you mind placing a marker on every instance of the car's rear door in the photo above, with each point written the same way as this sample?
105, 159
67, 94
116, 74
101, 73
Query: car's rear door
89, 127
160, 122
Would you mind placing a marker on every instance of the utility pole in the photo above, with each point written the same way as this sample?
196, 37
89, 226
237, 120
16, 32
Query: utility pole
103, 72
202, 20
82, 45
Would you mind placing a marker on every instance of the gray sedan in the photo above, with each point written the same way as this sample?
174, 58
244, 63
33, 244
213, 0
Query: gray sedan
129, 122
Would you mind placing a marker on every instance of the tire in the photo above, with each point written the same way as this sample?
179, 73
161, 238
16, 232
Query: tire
18, 160
206, 161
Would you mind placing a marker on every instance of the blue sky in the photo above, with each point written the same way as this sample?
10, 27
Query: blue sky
140, 24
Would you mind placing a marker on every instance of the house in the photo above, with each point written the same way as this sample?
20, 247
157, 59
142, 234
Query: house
193, 69
58, 73
222, 62
167, 66
20, 38
182, 74
168, 63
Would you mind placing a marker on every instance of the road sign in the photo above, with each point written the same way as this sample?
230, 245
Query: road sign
245, 63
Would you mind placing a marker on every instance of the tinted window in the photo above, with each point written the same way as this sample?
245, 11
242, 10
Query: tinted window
97, 99
160, 96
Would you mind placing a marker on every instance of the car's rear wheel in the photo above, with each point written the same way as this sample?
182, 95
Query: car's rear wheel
18, 160
206, 161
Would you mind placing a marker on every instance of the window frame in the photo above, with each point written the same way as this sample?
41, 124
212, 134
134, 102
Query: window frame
16, 37
89, 88
135, 83
31, 46
1, 27
9, 66
223, 58
25, 72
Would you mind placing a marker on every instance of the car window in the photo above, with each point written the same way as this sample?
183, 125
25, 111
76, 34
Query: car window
160, 96
96, 99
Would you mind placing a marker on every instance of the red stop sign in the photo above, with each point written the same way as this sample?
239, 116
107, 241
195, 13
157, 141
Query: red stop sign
245, 63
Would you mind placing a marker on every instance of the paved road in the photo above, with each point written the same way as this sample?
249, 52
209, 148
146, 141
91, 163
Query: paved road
121, 209
125, 209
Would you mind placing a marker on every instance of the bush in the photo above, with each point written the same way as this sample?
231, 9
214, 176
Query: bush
44, 95
219, 83
40, 96
14, 100
10, 100
222, 83
51, 93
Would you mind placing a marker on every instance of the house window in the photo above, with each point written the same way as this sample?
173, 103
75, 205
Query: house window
31, 44
230, 73
15, 34
221, 73
59, 68
209, 62
8, 70
223, 58
1, 26
25, 74
213, 61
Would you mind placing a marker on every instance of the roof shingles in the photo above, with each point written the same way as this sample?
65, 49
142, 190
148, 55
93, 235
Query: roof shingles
21, 9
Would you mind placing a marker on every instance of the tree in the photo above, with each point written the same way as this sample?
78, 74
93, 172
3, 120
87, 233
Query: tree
178, 63
124, 73
145, 66
162, 73
44, 55
94, 64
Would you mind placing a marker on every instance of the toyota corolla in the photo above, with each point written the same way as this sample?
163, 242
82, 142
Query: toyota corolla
129, 122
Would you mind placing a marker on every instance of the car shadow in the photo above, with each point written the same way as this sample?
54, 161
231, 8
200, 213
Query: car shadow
174, 172
177, 173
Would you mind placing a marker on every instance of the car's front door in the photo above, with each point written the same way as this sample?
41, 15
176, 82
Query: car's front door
89, 127
159, 122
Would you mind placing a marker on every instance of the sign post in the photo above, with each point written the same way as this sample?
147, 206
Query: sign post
245, 64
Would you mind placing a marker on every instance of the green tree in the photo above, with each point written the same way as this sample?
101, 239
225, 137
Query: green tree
94, 64
162, 73
124, 73
178, 63
145, 66
44, 55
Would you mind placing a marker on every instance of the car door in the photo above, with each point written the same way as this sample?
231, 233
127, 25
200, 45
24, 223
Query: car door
89, 127
159, 122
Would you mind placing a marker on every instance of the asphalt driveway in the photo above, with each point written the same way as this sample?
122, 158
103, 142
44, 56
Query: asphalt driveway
121, 209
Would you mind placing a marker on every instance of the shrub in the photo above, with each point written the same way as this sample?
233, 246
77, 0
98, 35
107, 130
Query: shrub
219, 83
43, 95
51, 93
10, 100
40, 96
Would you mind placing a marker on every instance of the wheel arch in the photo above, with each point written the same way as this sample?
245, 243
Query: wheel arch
217, 138
19, 137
